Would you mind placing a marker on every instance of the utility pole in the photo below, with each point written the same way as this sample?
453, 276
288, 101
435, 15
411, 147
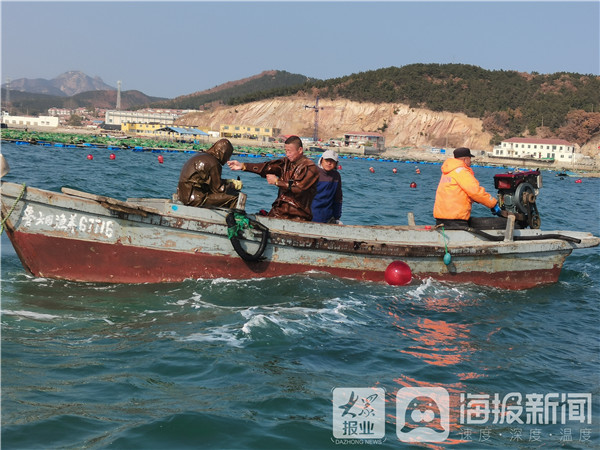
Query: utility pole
118, 95
7, 103
316, 109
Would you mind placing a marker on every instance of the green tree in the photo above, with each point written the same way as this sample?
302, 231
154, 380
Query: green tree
75, 120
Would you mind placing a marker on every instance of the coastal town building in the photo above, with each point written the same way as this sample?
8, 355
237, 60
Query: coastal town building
248, 131
358, 139
89, 115
189, 134
27, 121
60, 112
535, 148
158, 130
114, 117
143, 129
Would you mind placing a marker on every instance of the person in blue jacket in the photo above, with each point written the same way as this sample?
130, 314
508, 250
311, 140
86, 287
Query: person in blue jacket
327, 205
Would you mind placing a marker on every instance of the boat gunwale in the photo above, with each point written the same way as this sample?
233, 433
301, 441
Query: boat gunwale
212, 221
357, 244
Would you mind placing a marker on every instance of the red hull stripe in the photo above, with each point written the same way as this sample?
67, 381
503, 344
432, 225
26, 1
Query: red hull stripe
77, 260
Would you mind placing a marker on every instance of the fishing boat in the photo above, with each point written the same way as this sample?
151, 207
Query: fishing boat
85, 237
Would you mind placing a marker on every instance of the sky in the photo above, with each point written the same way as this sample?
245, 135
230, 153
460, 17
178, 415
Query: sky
168, 49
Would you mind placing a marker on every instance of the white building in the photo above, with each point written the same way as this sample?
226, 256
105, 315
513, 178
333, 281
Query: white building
26, 121
374, 140
517, 147
65, 112
119, 117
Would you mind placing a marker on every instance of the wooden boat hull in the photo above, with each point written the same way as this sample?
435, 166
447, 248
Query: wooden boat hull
84, 237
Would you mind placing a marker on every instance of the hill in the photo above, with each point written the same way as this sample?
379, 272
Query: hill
509, 103
223, 93
449, 101
38, 104
108, 99
401, 125
64, 85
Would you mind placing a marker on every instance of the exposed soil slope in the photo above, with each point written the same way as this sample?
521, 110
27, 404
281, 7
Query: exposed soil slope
402, 126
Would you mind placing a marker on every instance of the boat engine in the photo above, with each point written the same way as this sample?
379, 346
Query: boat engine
517, 192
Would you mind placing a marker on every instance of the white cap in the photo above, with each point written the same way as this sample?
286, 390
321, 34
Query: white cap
328, 154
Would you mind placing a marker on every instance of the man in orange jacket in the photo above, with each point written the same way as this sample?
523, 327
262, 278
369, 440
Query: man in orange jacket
457, 191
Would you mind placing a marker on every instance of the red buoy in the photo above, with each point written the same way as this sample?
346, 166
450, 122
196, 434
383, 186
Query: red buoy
112, 156
418, 170
340, 167
398, 274
161, 159
578, 181
395, 170
413, 185
90, 156
371, 170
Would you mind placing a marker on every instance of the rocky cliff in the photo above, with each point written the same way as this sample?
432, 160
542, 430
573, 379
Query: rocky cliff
64, 85
401, 125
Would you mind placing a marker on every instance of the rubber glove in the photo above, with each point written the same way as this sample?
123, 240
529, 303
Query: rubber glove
236, 184
496, 211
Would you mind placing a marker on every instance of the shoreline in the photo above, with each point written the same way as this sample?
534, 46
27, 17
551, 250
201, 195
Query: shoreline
86, 138
419, 156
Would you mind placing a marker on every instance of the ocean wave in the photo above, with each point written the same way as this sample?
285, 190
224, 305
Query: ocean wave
226, 334
335, 315
31, 315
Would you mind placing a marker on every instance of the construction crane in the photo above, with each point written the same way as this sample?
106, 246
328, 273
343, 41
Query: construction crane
316, 109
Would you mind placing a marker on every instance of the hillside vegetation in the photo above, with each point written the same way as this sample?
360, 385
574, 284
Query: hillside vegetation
265, 81
425, 104
509, 103
38, 104
401, 125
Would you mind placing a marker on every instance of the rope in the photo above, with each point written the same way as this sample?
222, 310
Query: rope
241, 222
10, 211
539, 237
444, 236
236, 223
447, 256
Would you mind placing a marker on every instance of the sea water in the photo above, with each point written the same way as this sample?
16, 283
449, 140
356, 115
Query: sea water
276, 363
